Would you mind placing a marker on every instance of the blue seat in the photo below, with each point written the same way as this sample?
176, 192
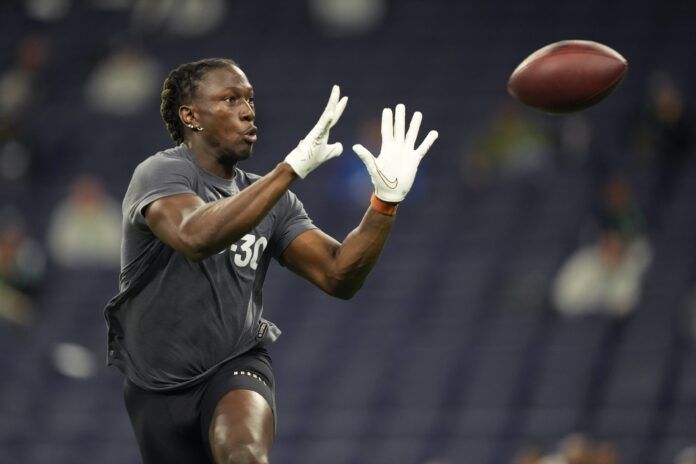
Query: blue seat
477, 423
635, 379
624, 421
549, 424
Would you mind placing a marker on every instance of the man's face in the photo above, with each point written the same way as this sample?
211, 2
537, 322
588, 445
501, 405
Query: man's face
224, 107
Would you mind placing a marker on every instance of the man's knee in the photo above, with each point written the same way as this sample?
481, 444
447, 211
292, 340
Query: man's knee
244, 453
242, 445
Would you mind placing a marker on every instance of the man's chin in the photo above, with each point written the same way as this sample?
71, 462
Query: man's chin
240, 153
246, 153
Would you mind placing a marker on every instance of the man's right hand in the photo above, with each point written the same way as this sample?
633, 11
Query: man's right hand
314, 149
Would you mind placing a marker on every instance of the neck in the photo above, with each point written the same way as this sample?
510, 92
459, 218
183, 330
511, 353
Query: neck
211, 160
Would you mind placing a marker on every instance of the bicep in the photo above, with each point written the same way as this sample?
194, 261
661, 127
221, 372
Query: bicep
311, 255
165, 216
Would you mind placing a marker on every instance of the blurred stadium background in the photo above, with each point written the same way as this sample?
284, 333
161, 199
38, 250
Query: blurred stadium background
466, 345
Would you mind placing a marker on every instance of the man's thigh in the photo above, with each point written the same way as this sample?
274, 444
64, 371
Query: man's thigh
238, 405
166, 426
242, 428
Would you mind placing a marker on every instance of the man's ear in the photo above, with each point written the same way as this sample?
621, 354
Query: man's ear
186, 115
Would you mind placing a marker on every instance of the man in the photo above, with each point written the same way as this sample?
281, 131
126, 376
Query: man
199, 233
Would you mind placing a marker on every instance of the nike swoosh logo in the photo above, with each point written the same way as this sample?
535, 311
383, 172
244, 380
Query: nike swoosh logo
392, 184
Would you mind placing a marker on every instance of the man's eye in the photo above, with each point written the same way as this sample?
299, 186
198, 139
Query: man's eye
251, 101
231, 99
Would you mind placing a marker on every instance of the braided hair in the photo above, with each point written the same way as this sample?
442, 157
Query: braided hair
180, 86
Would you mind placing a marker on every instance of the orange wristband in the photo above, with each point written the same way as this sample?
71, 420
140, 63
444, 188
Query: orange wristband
383, 207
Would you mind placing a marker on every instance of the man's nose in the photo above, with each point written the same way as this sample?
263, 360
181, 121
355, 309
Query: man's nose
248, 113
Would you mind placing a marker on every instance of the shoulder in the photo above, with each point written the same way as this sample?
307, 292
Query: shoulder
170, 160
165, 173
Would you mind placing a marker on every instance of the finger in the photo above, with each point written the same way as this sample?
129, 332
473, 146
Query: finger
338, 111
413, 128
333, 99
387, 126
425, 146
323, 125
335, 149
399, 122
364, 154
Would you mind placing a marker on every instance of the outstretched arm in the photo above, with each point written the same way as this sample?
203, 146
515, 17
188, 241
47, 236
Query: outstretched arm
198, 229
340, 269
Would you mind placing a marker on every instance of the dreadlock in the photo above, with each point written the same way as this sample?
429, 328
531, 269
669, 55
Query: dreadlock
180, 86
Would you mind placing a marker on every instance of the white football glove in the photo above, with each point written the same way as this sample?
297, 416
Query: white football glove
314, 149
395, 169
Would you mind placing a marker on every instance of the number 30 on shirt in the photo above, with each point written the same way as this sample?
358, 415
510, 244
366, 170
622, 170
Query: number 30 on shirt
248, 252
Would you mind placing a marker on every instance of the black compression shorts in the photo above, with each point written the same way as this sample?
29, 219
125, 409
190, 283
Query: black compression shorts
172, 427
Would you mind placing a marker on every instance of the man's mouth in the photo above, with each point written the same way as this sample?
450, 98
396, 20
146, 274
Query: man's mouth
250, 135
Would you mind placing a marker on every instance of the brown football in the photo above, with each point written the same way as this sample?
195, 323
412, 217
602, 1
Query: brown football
567, 76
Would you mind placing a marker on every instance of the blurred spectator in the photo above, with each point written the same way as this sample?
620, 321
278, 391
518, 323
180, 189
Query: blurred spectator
686, 456
618, 209
188, 18
556, 458
15, 306
22, 261
124, 83
15, 154
341, 18
528, 455
21, 90
22, 270
606, 275
577, 449
85, 228
47, 10
605, 453
510, 147
662, 138
21, 85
